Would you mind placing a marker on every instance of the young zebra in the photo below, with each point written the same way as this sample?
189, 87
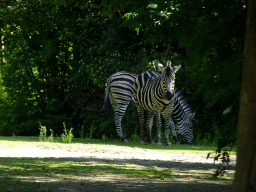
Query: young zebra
118, 89
155, 95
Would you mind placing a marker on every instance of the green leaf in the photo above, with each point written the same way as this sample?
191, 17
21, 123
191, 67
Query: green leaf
76, 4
138, 30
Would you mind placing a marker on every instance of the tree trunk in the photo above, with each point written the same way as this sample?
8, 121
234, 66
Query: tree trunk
245, 178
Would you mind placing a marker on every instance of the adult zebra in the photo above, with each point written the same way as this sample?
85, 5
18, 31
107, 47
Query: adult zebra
155, 95
182, 114
119, 92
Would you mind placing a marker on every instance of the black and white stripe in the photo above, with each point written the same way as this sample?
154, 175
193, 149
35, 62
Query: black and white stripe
118, 88
155, 95
183, 115
118, 91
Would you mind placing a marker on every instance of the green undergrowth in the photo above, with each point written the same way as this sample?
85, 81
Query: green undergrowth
78, 143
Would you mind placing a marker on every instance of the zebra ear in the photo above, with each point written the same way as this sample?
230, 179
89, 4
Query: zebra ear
193, 115
169, 63
160, 67
176, 68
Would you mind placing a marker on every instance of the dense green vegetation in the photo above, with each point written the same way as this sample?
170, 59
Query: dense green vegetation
56, 57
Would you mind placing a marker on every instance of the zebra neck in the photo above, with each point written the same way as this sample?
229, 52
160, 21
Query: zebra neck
162, 90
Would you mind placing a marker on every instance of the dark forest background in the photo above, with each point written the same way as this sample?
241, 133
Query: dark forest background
55, 58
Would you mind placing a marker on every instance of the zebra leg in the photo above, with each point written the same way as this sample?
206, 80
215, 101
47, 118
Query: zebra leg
149, 128
159, 125
167, 135
167, 126
118, 118
173, 131
149, 123
142, 123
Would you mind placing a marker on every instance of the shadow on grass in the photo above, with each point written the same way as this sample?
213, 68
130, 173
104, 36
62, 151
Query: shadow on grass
96, 174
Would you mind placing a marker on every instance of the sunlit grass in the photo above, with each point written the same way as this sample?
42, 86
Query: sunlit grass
64, 167
7, 142
14, 171
201, 175
29, 171
45, 167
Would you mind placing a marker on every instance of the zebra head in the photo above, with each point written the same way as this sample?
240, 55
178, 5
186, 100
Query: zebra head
186, 129
168, 78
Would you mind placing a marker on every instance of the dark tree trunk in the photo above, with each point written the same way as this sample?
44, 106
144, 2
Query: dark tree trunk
245, 178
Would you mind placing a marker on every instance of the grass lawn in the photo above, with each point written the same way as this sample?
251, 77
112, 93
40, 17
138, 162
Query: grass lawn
38, 174
6, 141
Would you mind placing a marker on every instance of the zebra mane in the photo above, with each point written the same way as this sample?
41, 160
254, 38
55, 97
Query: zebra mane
126, 72
182, 100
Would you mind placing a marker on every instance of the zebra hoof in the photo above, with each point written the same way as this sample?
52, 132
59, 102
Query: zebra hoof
141, 141
152, 142
168, 144
159, 143
125, 141
177, 142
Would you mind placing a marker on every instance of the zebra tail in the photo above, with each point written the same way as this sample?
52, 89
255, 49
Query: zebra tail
107, 104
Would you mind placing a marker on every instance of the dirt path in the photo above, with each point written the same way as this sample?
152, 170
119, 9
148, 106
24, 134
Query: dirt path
117, 154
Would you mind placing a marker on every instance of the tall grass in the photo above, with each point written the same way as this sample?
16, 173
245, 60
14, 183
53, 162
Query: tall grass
67, 136
43, 135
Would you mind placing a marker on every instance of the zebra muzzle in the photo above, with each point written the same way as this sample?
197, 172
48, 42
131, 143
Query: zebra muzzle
169, 95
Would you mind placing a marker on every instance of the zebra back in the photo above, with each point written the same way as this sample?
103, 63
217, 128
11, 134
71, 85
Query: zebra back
183, 115
118, 91
181, 100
